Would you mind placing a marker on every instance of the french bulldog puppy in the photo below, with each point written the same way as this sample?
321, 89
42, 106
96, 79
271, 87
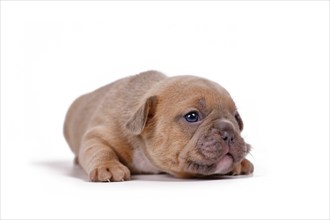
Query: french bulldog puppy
149, 123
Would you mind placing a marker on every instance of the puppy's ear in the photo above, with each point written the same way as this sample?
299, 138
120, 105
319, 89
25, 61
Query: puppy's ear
139, 119
239, 121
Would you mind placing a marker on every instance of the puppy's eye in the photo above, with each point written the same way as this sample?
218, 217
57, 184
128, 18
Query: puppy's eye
192, 117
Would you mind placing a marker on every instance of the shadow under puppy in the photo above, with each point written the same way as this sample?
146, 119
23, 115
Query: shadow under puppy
186, 126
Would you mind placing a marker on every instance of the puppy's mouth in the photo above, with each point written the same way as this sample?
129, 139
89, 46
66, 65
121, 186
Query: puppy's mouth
223, 166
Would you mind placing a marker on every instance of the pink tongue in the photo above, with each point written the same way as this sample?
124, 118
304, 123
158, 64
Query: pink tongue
224, 165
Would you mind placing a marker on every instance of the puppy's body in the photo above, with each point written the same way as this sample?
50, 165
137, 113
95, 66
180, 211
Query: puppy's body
141, 124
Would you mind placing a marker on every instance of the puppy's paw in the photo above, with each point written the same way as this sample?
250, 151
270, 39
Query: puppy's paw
243, 168
110, 173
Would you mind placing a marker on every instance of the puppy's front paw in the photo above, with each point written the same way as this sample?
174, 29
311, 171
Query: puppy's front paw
243, 168
110, 173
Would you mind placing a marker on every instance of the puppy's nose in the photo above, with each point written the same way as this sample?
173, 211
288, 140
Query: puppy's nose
226, 131
228, 137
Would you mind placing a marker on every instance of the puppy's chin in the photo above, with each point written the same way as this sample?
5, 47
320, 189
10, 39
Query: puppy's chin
223, 166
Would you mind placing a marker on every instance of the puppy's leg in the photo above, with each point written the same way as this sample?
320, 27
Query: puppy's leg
243, 168
99, 160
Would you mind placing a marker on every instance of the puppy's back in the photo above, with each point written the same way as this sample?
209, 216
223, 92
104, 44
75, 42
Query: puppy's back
111, 100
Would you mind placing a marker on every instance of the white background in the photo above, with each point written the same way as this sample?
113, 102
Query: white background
273, 57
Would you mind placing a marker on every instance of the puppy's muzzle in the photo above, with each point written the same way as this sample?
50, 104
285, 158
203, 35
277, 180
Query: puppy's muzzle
216, 143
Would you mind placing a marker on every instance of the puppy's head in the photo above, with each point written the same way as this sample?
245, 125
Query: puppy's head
190, 127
